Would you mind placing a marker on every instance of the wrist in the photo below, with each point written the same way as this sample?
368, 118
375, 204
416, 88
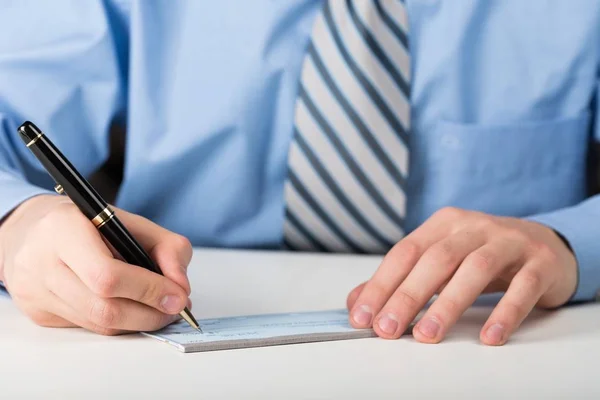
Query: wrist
571, 269
572, 252
564, 240
12, 219
20, 210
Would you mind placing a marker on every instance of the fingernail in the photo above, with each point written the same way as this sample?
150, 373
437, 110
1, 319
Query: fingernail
495, 333
429, 327
362, 315
171, 304
388, 324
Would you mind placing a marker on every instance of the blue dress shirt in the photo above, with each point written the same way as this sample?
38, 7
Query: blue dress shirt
502, 95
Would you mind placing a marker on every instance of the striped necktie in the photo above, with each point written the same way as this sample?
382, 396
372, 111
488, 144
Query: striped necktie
348, 159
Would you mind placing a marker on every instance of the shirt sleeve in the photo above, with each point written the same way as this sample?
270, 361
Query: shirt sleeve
60, 69
580, 226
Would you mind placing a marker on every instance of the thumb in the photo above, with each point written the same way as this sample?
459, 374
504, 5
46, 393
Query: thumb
171, 251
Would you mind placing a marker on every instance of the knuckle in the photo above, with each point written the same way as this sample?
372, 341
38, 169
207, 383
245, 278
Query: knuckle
105, 331
484, 262
516, 235
375, 289
41, 318
545, 252
409, 250
150, 293
22, 271
103, 313
49, 220
56, 215
181, 243
105, 282
53, 279
449, 213
448, 307
406, 299
20, 287
531, 281
160, 321
441, 254
487, 223
515, 311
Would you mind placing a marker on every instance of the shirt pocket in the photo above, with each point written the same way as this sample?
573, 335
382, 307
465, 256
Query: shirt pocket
512, 169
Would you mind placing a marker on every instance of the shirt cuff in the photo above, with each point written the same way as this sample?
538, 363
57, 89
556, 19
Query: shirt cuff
579, 226
15, 191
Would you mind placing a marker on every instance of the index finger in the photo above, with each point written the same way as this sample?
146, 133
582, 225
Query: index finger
394, 268
86, 254
171, 251
151, 235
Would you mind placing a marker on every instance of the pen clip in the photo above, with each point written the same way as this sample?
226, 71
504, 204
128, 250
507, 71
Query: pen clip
59, 189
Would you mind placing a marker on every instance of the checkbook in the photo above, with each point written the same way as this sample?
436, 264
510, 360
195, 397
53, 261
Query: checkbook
260, 331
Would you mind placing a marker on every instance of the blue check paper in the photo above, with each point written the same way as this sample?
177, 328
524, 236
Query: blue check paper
260, 330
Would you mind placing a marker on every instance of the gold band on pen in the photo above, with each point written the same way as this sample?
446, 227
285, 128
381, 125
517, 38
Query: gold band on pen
35, 139
103, 217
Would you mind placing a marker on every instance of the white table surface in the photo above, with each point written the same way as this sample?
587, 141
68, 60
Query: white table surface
554, 355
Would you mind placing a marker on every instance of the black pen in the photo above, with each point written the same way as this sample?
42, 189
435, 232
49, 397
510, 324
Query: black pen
70, 182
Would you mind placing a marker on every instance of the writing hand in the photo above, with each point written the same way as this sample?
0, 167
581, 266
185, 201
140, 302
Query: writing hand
61, 273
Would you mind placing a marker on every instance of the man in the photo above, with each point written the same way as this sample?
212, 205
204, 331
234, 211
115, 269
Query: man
452, 136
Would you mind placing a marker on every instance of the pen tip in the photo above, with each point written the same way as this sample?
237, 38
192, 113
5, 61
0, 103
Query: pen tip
196, 326
187, 315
